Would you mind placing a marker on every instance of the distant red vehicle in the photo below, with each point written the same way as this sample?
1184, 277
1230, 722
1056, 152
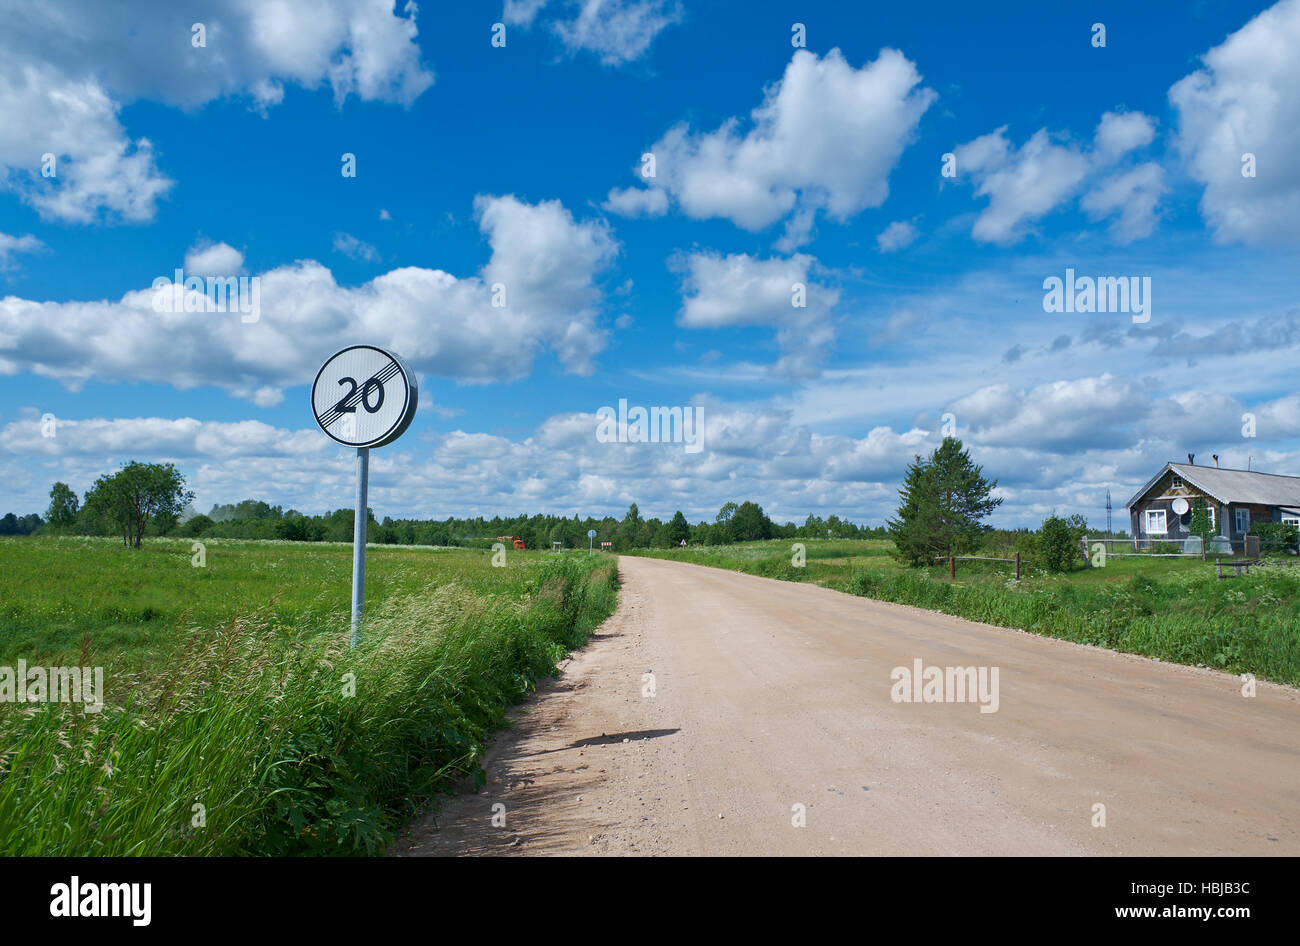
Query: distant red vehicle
517, 543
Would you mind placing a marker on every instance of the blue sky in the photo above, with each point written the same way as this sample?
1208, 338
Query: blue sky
478, 164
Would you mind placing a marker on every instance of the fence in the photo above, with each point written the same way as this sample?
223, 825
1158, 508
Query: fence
1250, 546
1145, 547
954, 559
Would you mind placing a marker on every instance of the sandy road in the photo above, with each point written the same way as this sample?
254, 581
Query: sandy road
770, 695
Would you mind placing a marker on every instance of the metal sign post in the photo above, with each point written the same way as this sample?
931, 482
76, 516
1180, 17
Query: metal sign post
363, 397
591, 535
360, 521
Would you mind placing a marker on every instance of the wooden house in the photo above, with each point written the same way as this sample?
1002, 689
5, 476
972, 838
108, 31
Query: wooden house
1161, 511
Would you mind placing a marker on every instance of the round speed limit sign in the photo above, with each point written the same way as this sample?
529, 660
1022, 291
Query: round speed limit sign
364, 396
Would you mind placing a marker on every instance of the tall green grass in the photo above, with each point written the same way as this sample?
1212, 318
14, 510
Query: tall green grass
250, 739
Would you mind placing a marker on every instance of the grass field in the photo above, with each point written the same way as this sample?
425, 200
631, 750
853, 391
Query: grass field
1173, 609
133, 602
238, 721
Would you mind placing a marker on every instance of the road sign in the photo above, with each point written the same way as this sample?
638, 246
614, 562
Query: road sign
363, 397
591, 534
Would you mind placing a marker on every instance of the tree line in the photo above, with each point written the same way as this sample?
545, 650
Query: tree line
943, 503
145, 499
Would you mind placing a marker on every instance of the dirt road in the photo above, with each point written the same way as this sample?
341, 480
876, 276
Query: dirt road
773, 705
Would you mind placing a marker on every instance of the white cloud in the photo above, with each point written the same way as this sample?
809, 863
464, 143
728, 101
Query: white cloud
98, 169
213, 259
896, 236
350, 246
636, 202
521, 12
825, 139
720, 291
1075, 415
1025, 184
1246, 99
11, 245
444, 325
1118, 133
159, 436
615, 31
1134, 195
68, 68
1022, 184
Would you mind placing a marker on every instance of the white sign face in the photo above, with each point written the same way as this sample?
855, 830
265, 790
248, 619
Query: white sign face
591, 533
364, 396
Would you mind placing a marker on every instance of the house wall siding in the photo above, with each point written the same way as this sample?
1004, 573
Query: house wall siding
1161, 496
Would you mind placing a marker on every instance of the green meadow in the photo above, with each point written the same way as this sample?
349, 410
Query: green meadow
237, 718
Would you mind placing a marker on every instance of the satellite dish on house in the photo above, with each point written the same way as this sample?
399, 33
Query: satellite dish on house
1180, 506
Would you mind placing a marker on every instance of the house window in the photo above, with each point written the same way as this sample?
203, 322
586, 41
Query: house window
1155, 522
1209, 511
1291, 521
1242, 519
1176, 483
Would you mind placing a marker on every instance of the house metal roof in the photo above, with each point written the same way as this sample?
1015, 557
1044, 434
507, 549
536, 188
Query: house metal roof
1232, 486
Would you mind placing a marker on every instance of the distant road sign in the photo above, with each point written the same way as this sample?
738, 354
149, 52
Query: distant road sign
364, 396
591, 533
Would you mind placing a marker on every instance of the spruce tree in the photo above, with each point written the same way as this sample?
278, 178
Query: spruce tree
942, 502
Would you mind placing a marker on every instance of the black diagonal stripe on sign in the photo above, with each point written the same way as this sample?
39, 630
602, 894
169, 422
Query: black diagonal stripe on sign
383, 376
353, 399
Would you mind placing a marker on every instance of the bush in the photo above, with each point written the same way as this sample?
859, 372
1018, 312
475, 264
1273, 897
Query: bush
1275, 536
1058, 542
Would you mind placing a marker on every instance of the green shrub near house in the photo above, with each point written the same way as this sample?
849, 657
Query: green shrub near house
1275, 537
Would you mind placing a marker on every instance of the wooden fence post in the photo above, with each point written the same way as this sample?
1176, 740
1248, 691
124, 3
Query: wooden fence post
952, 567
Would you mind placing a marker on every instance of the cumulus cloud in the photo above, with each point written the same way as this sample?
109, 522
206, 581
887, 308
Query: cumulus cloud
214, 259
1085, 413
159, 436
1118, 133
1022, 184
1025, 183
636, 202
896, 236
1243, 100
546, 263
615, 31
825, 139
738, 289
1133, 196
67, 69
